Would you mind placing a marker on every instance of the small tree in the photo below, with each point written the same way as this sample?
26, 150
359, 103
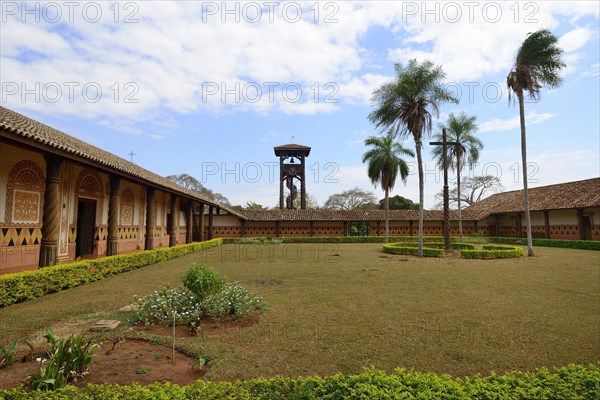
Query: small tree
384, 163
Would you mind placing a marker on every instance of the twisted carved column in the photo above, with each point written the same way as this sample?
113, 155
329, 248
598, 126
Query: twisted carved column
189, 222
547, 224
113, 216
201, 222
174, 221
51, 214
210, 222
150, 219
580, 226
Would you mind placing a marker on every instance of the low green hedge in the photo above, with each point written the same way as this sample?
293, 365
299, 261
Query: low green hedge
492, 252
409, 250
440, 245
336, 239
28, 285
569, 244
572, 382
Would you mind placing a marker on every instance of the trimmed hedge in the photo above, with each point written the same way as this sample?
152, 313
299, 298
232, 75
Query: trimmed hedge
572, 382
568, 244
28, 285
408, 249
337, 239
441, 245
492, 252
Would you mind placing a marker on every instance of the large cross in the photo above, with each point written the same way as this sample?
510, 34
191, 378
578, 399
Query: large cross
445, 144
131, 154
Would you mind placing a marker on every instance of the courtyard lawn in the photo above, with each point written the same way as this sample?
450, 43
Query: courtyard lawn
342, 307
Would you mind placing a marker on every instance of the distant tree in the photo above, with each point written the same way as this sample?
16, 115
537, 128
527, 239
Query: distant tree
189, 182
538, 64
399, 203
251, 205
472, 191
311, 203
351, 199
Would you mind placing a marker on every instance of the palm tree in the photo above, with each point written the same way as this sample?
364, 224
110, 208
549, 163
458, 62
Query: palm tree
460, 130
538, 64
407, 105
385, 161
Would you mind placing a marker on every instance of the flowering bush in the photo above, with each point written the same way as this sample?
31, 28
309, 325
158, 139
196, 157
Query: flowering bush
234, 302
158, 307
205, 293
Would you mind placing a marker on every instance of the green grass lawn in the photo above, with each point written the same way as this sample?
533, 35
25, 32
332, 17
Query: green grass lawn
339, 308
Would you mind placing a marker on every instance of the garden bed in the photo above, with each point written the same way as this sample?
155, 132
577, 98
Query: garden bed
131, 360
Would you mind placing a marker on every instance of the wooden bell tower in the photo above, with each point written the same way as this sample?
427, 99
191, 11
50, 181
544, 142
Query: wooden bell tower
292, 170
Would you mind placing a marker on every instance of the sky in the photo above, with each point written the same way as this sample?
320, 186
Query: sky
209, 88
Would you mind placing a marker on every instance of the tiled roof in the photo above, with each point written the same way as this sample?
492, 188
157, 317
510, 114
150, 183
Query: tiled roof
569, 195
347, 215
42, 136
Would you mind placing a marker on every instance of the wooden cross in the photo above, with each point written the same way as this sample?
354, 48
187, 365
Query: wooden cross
445, 144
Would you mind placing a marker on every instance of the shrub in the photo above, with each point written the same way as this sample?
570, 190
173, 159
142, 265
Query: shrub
403, 249
158, 307
202, 281
67, 360
331, 239
572, 382
492, 252
569, 244
28, 285
438, 245
234, 302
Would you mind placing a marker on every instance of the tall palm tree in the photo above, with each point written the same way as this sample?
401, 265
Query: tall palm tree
460, 129
407, 105
385, 161
538, 64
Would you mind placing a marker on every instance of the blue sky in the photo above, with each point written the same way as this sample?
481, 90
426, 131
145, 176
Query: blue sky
178, 83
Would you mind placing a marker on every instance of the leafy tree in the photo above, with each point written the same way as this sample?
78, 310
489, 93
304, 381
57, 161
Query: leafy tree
472, 191
399, 203
351, 199
385, 161
460, 129
408, 104
251, 205
538, 64
189, 182
311, 203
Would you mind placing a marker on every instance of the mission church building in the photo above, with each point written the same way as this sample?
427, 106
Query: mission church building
62, 198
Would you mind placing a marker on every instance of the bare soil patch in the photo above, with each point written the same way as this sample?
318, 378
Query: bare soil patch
131, 360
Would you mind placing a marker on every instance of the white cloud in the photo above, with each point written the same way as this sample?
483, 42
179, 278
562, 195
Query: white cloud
175, 49
531, 118
575, 39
